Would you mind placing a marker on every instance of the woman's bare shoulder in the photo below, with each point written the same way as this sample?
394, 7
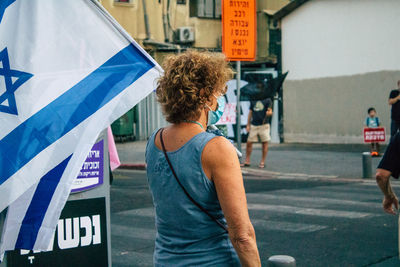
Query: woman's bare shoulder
218, 150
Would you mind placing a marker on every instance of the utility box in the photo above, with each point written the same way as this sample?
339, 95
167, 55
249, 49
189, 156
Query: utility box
122, 128
83, 234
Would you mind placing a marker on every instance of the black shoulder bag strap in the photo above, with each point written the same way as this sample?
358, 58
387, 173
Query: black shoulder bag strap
183, 188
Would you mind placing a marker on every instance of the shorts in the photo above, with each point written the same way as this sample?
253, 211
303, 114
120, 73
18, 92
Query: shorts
262, 131
391, 158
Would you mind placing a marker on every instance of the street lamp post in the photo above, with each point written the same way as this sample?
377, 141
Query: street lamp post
238, 123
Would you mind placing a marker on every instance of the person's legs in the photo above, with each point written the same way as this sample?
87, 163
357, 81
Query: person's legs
249, 149
382, 175
391, 158
265, 138
390, 199
264, 153
253, 137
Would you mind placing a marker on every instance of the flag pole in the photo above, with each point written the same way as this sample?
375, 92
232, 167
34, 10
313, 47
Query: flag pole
238, 123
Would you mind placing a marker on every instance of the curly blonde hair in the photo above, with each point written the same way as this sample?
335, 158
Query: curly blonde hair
189, 81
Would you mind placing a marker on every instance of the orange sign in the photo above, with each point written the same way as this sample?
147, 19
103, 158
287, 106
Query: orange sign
239, 29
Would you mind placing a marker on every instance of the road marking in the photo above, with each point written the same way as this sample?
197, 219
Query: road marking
308, 211
305, 200
323, 192
287, 226
132, 258
284, 175
144, 212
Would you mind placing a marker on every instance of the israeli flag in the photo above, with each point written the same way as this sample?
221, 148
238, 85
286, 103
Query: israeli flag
67, 70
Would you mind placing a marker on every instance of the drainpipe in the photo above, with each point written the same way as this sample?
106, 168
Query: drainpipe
146, 20
165, 22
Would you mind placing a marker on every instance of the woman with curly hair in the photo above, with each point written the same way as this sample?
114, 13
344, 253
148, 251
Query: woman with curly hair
194, 175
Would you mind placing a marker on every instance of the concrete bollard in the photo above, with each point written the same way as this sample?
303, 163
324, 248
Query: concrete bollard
367, 165
281, 261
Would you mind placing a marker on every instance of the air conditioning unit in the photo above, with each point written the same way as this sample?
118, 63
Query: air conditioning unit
184, 35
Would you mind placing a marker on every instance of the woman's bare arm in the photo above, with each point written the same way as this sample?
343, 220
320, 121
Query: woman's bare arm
394, 100
221, 162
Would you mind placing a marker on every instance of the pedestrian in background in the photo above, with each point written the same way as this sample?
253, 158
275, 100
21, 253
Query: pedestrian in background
394, 101
389, 166
372, 121
258, 127
194, 176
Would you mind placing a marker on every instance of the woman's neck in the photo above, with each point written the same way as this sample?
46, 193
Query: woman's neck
201, 121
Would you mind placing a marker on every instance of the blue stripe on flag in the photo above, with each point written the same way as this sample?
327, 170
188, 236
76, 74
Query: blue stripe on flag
37, 209
3, 5
70, 109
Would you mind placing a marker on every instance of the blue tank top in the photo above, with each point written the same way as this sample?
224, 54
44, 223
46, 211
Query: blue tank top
186, 236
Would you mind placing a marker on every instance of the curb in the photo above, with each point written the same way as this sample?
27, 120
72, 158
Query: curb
133, 166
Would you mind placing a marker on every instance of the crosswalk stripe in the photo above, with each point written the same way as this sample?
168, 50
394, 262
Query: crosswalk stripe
308, 211
133, 257
296, 201
286, 226
144, 212
361, 188
325, 193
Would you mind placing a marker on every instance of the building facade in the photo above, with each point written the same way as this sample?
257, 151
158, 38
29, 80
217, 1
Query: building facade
163, 27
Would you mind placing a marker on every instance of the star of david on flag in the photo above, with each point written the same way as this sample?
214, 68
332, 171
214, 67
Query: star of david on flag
71, 72
12, 80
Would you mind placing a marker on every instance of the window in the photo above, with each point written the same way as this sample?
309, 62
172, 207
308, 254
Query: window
205, 8
128, 3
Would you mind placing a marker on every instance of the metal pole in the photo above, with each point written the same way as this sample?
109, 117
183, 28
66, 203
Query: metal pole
281, 261
146, 20
367, 165
275, 123
238, 123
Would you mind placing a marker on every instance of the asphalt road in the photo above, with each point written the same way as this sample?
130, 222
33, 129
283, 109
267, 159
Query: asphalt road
320, 222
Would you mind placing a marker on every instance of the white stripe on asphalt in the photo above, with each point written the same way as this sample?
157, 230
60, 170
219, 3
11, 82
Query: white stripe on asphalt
316, 201
144, 212
325, 193
313, 212
132, 258
287, 226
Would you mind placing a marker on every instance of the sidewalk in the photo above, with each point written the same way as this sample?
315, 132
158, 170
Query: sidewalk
294, 160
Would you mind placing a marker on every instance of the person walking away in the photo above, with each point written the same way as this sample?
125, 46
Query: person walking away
389, 166
372, 121
394, 101
194, 176
258, 127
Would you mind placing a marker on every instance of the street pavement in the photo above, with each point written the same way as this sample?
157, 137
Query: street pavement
320, 217
310, 159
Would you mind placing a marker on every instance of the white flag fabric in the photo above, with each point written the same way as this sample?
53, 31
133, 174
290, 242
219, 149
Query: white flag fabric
67, 70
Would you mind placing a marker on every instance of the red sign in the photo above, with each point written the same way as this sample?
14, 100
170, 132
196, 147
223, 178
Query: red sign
374, 135
239, 29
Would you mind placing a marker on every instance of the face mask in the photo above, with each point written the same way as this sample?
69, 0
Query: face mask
214, 116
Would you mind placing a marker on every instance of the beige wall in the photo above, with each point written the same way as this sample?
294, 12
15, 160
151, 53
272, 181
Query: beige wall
208, 32
271, 4
333, 110
130, 16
